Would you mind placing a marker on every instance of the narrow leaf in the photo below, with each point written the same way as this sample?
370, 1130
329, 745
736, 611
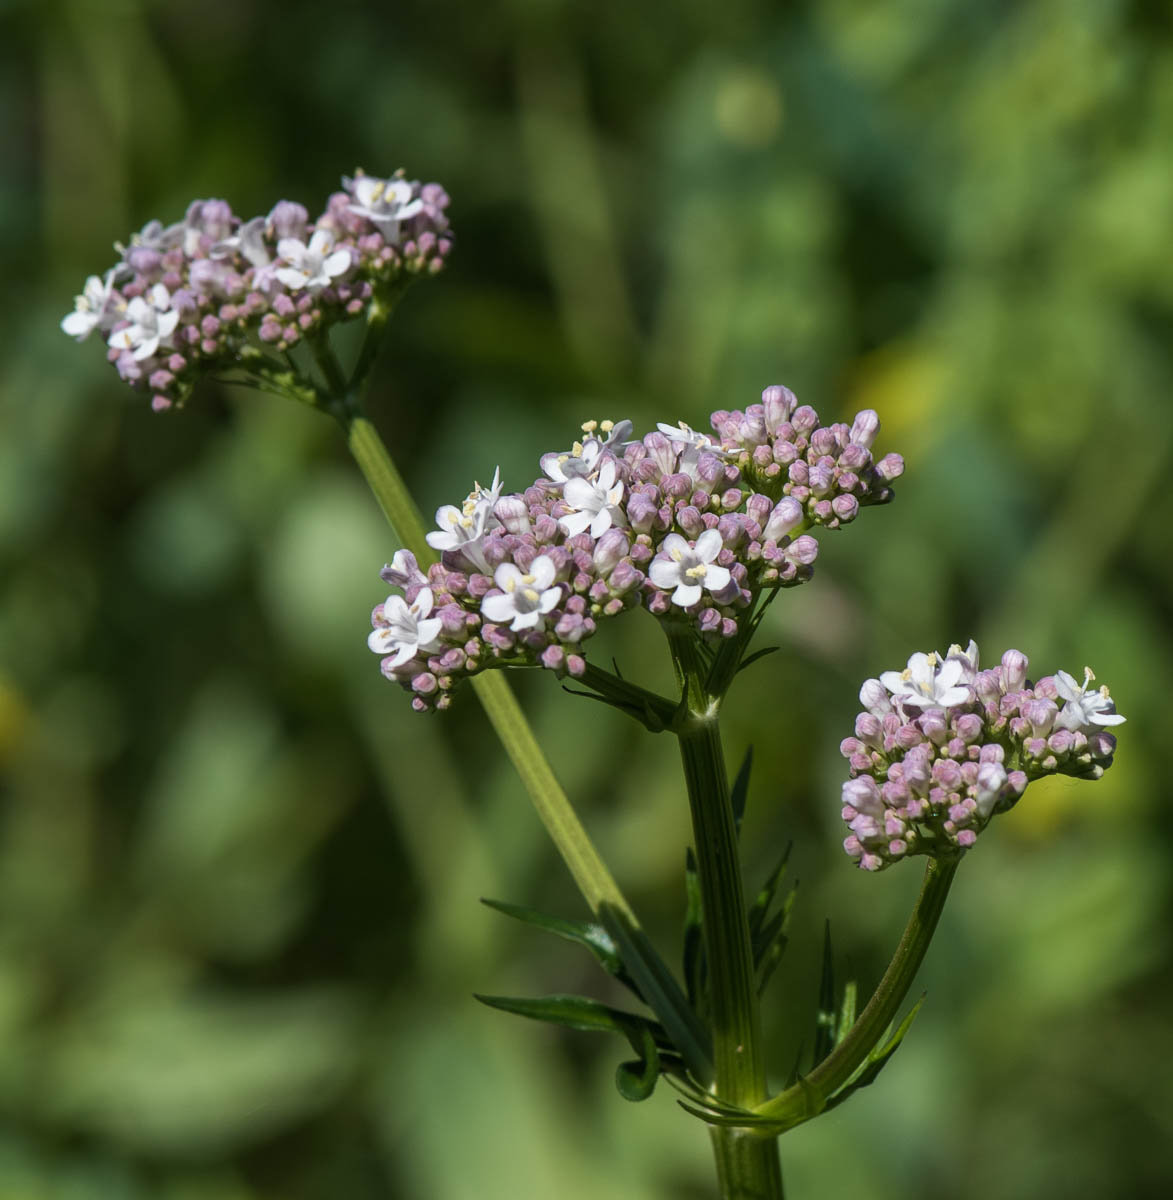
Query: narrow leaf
572, 1012
846, 1012
876, 1061
760, 908
770, 943
753, 658
695, 967
825, 1019
661, 993
594, 937
740, 790
637, 1080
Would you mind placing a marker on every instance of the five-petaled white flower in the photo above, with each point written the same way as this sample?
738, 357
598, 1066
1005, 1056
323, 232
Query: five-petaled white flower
92, 309
929, 680
152, 322
406, 629
464, 528
311, 267
384, 202
583, 457
595, 503
526, 596
1084, 708
689, 569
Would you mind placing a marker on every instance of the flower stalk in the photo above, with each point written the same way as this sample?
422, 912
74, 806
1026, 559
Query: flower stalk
590, 873
748, 1166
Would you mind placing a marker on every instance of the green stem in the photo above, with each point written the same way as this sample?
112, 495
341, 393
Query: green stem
748, 1166
808, 1096
509, 723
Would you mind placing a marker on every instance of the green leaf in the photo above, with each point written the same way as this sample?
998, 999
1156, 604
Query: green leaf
661, 993
695, 966
594, 937
740, 790
825, 1018
760, 908
876, 1061
846, 1012
769, 935
635, 1080
753, 658
572, 1012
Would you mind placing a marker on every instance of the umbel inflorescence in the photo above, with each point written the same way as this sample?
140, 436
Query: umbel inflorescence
942, 746
691, 527
197, 296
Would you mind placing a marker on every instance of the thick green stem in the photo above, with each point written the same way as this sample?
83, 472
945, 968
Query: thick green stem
807, 1097
748, 1166
509, 723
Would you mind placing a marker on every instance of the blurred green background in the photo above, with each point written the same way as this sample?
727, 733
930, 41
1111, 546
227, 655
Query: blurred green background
239, 928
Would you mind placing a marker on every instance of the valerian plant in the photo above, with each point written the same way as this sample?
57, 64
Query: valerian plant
699, 530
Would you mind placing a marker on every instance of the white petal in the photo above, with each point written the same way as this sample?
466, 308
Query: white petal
543, 571
337, 264
664, 573
529, 620
675, 545
709, 545
404, 653
291, 250
381, 641
576, 522
498, 609
1103, 718
146, 348
439, 540
79, 325
1066, 686
687, 594
507, 576
601, 523
952, 696
321, 242
423, 603
549, 599
895, 682
717, 578
428, 631
580, 493
292, 278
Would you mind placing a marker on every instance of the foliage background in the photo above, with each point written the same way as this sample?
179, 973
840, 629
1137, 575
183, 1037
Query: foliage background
239, 927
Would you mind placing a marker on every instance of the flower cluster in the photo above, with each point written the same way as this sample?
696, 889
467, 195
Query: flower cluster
691, 527
203, 293
942, 745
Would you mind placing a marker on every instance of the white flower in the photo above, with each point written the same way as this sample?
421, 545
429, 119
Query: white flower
594, 503
154, 235
691, 570
152, 322
526, 597
1084, 708
312, 267
463, 529
91, 310
384, 202
582, 459
406, 629
684, 435
929, 681
248, 240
